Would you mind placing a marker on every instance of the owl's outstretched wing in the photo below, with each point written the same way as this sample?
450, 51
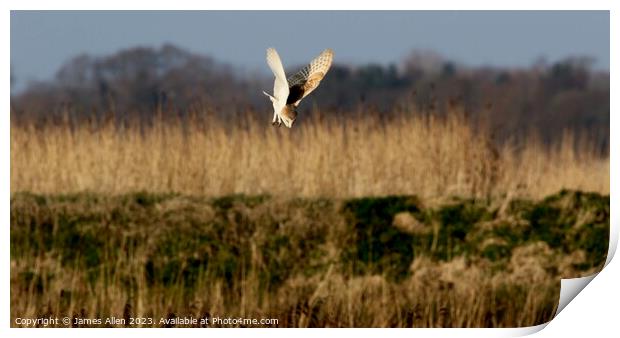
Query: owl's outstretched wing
280, 85
308, 78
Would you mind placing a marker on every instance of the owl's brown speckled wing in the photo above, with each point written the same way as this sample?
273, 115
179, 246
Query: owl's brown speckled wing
308, 78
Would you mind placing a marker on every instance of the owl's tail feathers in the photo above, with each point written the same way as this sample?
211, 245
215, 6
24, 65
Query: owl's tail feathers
270, 97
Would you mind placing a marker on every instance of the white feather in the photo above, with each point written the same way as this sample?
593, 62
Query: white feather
280, 85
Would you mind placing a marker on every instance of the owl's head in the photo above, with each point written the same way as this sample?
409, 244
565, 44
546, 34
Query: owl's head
289, 115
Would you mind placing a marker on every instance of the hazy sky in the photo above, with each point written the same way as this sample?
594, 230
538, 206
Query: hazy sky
42, 40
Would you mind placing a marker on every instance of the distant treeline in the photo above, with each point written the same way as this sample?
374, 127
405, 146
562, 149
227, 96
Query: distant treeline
549, 98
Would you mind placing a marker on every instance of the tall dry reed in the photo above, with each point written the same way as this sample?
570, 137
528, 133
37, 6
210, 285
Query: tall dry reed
409, 153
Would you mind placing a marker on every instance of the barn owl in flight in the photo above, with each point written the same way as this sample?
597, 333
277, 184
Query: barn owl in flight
287, 93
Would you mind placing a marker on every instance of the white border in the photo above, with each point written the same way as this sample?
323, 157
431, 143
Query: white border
316, 5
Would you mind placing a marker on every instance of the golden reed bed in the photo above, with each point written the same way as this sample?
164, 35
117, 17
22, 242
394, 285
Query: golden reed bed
425, 155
